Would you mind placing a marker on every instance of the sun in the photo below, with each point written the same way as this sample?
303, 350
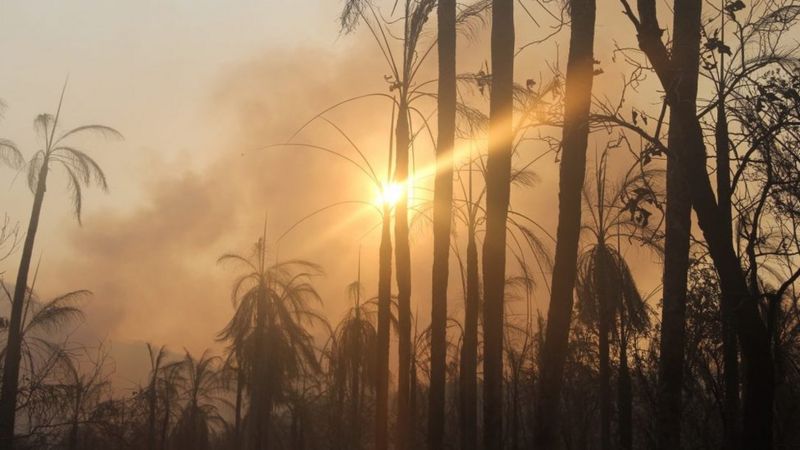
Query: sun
390, 194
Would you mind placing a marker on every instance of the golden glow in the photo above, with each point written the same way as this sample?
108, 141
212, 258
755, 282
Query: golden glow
392, 193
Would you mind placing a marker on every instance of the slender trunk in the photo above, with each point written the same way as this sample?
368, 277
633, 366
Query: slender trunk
624, 390
151, 413
11, 366
237, 427
402, 254
498, 175
165, 424
258, 394
412, 403
384, 312
73, 432
355, 381
442, 212
673, 312
469, 350
730, 351
580, 68
605, 372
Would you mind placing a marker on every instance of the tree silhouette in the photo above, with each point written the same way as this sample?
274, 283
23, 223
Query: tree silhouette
81, 171
272, 305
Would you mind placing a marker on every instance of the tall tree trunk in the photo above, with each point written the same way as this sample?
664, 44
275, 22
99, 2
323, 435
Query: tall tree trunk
730, 350
402, 254
442, 217
384, 312
580, 68
11, 366
498, 176
673, 311
759, 386
469, 350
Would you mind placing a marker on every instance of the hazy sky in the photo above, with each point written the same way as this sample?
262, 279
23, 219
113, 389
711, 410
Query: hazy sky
197, 87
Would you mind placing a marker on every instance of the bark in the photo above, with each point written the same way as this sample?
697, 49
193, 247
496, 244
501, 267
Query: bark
384, 312
11, 366
403, 261
571, 177
730, 352
442, 217
498, 175
469, 350
673, 311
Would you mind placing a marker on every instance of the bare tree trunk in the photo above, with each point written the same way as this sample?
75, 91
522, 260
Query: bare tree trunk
469, 350
238, 408
442, 217
165, 424
730, 349
402, 254
759, 386
151, 413
384, 312
580, 68
498, 176
11, 366
673, 311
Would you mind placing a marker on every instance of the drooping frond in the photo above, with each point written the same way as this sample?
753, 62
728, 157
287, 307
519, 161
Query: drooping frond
101, 130
351, 14
10, 155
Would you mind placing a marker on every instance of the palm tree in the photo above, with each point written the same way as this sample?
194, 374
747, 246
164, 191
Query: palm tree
201, 387
272, 306
498, 186
442, 217
605, 287
81, 171
156, 358
169, 389
353, 359
577, 101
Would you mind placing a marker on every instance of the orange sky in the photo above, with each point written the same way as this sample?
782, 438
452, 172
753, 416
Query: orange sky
197, 87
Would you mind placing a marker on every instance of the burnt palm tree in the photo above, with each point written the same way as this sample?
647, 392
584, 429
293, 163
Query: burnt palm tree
272, 307
606, 291
353, 359
57, 153
498, 186
577, 101
201, 387
442, 217
156, 357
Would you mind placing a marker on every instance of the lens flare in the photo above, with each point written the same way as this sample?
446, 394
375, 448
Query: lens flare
390, 194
